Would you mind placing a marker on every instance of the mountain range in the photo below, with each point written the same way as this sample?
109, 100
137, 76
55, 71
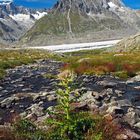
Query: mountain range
15, 21
69, 21
72, 21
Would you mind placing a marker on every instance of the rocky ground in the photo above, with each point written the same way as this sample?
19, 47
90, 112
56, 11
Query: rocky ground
30, 90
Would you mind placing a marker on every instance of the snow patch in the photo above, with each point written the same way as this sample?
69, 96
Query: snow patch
4, 2
89, 14
20, 17
26, 17
23, 19
39, 15
112, 5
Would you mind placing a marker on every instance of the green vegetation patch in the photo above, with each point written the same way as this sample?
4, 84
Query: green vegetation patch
12, 58
101, 62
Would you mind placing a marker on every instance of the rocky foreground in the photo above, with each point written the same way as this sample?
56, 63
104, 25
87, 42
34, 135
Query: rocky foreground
30, 90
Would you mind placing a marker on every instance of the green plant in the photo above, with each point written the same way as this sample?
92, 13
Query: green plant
97, 137
121, 74
64, 93
2, 73
49, 76
73, 129
27, 130
68, 125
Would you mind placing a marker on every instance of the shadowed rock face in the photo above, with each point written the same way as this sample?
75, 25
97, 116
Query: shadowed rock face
74, 21
86, 6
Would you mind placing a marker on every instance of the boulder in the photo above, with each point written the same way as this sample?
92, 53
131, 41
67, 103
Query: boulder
36, 109
115, 110
132, 117
51, 98
137, 125
7, 103
32, 117
122, 137
107, 84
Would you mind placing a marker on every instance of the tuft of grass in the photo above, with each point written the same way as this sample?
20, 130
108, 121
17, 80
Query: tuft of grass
25, 129
49, 76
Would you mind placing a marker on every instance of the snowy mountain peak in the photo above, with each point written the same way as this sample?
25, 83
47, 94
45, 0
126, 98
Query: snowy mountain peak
89, 7
112, 5
16, 20
18, 13
6, 2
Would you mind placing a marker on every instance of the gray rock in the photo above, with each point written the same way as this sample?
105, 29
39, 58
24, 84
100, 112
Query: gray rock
132, 118
132, 135
32, 117
137, 125
22, 106
37, 97
1, 88
5, 92
107, 84
7, 103
51, 93
119, 93
87, 97
124, 103
36, 109
82, 107
98, 96
122, 137
103, 108
51, 98
44, 93
23, 114
115, 110
134, 79
93, 106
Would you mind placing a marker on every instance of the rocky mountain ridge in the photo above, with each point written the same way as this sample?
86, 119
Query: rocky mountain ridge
16, 20
73, 21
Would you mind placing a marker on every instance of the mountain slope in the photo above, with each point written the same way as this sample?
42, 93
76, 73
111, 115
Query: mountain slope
83, 21
16, 20
131, 43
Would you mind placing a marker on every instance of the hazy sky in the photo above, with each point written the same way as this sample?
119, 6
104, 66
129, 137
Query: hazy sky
49, 3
